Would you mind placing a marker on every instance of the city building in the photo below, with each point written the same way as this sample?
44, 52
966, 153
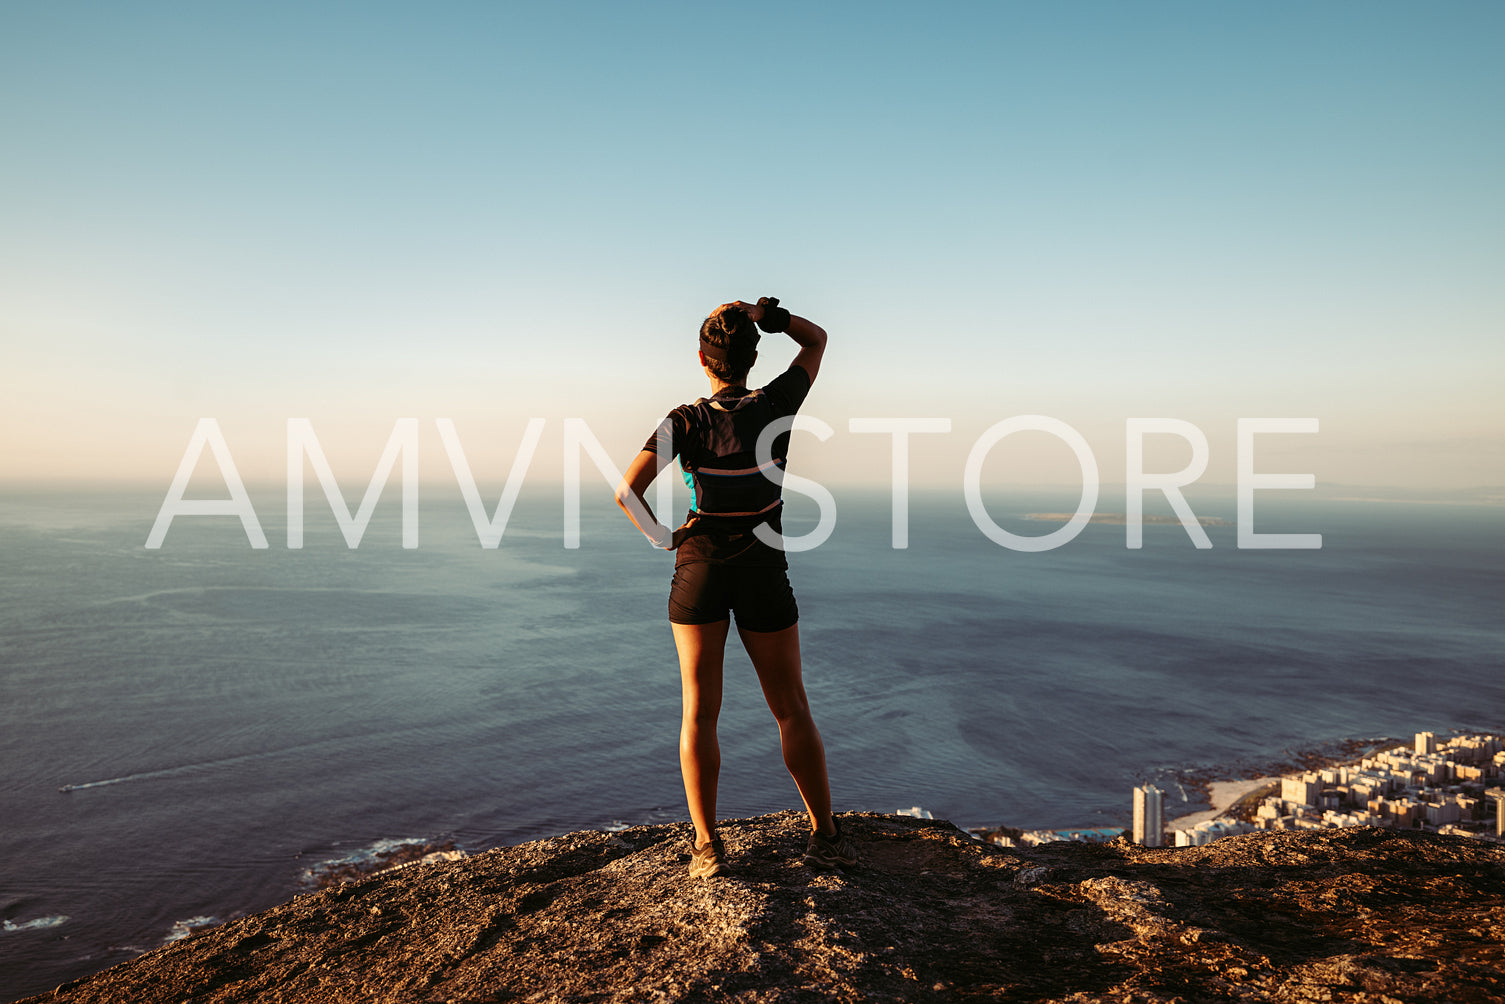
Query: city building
1302, 789
1149, 824
1434, 785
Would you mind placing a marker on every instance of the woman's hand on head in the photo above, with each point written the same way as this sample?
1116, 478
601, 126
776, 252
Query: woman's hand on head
752, 310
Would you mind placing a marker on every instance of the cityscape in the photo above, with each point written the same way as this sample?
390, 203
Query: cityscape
1436, 785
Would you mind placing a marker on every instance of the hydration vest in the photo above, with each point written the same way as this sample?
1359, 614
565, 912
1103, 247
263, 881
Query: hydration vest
716, 441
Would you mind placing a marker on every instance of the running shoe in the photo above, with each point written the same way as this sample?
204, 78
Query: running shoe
829, 852
708, 861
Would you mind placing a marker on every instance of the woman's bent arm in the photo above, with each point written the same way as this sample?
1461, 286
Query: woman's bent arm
640, 474
811, 338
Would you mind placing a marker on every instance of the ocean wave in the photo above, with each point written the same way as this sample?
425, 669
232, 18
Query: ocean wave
382, 855
184, 928
190, 768
38, 924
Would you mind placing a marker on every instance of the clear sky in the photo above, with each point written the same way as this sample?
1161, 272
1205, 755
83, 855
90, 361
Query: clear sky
489, 212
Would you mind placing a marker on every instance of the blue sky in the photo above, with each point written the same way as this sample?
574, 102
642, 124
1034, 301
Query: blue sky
357, 212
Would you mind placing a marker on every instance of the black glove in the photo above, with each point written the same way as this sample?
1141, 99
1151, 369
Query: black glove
775, 317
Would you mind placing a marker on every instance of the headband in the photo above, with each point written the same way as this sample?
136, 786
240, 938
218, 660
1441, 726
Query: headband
715, 352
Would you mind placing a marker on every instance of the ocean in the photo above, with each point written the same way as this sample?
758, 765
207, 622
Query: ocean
188, 734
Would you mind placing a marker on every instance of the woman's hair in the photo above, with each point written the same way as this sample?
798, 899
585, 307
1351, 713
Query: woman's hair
735, 334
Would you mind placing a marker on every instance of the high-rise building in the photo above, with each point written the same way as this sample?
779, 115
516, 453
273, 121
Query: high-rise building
1426, 742
1149, 824
1498, 794
1302, 789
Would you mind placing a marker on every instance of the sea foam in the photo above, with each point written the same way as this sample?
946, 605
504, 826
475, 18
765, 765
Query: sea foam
34, 925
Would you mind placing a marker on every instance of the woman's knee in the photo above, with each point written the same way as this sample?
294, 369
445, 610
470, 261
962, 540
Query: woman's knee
701, 717
791, 711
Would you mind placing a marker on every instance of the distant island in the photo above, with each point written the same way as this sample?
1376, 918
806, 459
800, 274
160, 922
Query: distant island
1119, 519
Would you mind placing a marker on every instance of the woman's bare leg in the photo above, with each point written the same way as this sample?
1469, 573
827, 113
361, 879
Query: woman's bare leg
776, 657
701, 649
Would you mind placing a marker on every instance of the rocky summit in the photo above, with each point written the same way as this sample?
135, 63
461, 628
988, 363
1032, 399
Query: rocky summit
930, 914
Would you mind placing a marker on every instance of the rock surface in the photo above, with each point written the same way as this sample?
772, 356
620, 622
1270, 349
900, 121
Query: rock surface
930, 914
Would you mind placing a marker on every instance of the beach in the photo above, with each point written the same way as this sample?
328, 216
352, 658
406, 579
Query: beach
1224, 795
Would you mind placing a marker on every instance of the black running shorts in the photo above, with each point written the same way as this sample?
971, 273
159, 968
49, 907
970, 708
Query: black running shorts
704, 592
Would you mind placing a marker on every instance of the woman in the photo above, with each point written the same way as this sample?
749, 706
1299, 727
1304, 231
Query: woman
730, 563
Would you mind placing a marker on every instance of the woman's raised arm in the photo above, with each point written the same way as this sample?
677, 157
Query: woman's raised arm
809, 336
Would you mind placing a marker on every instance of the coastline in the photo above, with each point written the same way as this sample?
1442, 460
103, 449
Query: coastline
1224, 795
1320, 756
1210, 793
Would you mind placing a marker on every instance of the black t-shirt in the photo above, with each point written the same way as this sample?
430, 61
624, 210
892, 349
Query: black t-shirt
715, 439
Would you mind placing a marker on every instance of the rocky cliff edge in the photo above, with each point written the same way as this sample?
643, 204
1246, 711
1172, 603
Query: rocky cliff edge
930, 914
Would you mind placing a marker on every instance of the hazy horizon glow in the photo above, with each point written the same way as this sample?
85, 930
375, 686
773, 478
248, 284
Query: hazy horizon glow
355, 213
